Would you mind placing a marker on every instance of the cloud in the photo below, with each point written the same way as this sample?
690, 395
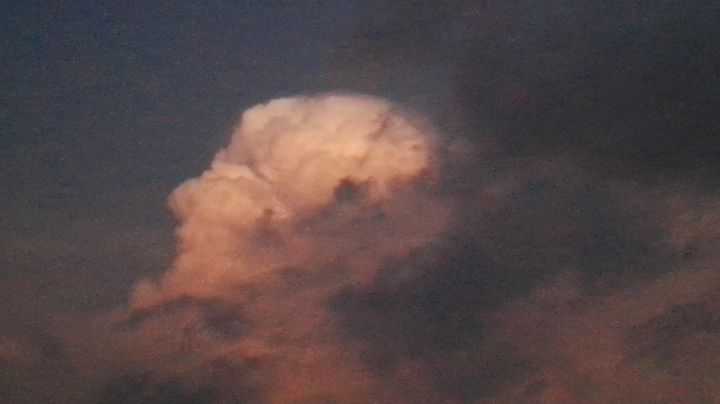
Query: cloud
555, 244
312, 196
303, 182
630, 87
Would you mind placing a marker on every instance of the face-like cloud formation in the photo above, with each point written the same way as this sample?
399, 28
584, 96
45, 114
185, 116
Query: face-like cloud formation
279, 195
313, 196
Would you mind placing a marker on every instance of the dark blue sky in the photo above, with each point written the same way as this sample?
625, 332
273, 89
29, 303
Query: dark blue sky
107, 107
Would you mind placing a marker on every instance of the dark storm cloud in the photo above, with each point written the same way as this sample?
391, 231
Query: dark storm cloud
518, 235
578, 123
632, 87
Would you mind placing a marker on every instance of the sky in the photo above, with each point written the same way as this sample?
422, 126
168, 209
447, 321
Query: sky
351, 202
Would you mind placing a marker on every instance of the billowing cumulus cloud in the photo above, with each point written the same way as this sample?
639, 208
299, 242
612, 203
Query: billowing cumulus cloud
308, 182
312, 197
